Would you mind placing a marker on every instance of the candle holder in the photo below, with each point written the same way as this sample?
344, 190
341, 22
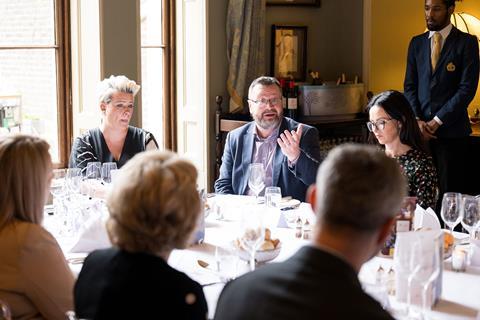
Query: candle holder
459, 259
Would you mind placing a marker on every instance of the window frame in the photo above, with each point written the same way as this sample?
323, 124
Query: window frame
63, 73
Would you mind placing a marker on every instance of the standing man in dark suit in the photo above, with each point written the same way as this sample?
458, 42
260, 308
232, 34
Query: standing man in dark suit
440, 81
289, 151
358, 192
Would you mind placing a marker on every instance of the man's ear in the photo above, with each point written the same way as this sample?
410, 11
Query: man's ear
103, 106
450, 10
385, 230
312, 196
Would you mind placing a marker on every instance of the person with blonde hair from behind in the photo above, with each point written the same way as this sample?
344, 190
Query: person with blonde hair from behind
154, 207
114, 140
35, 280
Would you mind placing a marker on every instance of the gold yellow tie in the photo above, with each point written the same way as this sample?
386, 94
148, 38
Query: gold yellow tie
436, 49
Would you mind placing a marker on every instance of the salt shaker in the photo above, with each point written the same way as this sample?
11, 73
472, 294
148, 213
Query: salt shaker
379, 275
307, 230
391, 282
298, 228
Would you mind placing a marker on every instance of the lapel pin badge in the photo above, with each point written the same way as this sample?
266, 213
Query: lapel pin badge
450, 67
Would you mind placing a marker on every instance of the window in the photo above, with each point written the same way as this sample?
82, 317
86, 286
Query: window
152, 55
34, 69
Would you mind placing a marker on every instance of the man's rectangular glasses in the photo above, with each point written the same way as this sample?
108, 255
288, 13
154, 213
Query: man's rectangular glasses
263, 102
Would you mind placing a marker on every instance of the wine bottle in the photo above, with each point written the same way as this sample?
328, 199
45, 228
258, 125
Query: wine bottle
292, 101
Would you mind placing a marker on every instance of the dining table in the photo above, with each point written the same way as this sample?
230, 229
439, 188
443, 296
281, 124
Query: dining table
201, 261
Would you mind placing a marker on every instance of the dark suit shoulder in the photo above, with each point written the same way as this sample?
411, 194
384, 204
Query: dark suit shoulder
310, 283
111, 279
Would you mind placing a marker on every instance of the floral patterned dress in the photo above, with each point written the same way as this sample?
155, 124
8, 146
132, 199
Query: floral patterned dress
421, 175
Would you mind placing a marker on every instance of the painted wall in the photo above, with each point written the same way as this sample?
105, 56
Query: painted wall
120, 43
334, 36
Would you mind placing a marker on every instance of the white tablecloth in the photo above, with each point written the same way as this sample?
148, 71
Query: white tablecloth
460, 294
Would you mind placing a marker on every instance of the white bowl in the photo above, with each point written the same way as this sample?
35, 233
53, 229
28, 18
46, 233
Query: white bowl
261, 256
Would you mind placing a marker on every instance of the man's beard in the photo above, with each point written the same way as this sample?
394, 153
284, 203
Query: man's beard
267, 124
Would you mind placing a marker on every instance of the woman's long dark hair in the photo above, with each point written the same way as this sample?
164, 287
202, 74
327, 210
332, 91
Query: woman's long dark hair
397, 107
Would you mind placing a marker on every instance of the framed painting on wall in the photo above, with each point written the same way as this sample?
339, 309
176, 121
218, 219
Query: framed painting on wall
289, 52
312, 3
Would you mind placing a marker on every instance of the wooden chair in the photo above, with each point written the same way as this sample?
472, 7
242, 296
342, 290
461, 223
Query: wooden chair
224, 123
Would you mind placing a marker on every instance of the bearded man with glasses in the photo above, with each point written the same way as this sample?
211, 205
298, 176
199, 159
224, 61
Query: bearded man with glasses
288, 150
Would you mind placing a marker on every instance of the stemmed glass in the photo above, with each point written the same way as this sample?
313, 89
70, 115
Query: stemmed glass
471, 214
73, 180
252, 232
57, 185
450, 212
107, 168
93, 170
256, 178
415, 259
92, 178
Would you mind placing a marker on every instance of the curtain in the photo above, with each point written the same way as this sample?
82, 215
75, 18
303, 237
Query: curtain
245, 48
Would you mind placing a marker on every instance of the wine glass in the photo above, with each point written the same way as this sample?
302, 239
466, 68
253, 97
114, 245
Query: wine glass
92, 178
471, 214
415, 267
57, 185
73, 179
252, 232
256, 178
450, 212
107, 167
93, 170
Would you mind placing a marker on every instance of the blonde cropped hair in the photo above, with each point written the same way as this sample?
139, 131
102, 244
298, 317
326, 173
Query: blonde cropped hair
25, 166
154, 204
108, 86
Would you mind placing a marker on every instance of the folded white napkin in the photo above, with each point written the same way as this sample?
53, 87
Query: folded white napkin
404, 245
425, 219
93, 235
475, 258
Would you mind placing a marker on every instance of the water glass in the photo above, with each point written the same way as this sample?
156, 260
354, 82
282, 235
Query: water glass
273, 196
107, 168
226, 263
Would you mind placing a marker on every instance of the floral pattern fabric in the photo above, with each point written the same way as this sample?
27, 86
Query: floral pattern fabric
422, 177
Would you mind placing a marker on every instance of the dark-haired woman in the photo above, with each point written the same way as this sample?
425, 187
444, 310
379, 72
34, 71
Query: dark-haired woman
394, 126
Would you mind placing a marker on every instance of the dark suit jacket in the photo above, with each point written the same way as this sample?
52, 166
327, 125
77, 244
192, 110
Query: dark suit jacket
293, 181
313, 284
447, 92
115, 284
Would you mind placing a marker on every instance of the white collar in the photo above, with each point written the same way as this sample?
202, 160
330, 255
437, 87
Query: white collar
444, 32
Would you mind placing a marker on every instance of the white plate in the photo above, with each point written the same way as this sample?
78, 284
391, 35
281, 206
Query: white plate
293, 203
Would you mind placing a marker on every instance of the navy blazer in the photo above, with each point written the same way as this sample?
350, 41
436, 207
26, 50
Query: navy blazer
312, 284
294, 182
447, 92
